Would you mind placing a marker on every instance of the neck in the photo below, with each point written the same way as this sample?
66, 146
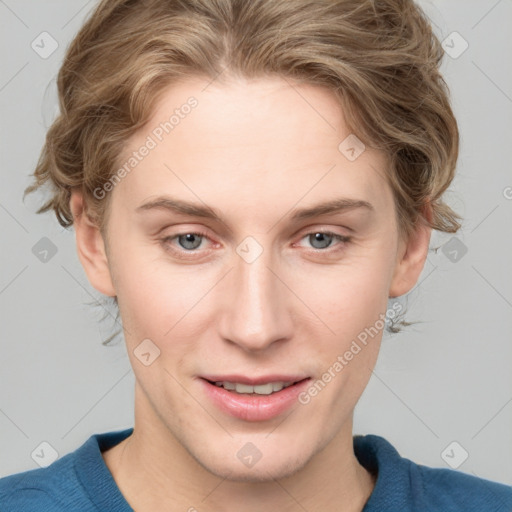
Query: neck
152, 469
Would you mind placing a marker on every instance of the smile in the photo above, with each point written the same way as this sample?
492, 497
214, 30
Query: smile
262, 389
255, 399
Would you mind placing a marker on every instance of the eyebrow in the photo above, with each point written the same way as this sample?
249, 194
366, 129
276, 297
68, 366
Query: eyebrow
196, 210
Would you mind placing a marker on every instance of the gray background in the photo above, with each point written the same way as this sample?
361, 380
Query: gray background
447, 379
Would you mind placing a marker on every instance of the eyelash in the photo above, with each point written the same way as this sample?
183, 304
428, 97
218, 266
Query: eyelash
344, 240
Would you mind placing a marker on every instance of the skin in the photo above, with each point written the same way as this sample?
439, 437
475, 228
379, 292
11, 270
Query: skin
255, 151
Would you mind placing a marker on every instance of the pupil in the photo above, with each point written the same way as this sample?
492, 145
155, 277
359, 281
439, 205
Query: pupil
321, 237
189, 239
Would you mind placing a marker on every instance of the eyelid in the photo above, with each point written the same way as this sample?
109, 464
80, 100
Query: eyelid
200, 232
342, 240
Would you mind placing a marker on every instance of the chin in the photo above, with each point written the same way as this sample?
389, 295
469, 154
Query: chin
260, 473
266, 469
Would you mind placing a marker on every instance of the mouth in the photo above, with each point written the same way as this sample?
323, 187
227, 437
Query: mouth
246, 389
256, 399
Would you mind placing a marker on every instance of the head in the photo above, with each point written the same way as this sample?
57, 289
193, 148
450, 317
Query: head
195, 139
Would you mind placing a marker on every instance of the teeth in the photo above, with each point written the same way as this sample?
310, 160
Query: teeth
262, 389
244, 388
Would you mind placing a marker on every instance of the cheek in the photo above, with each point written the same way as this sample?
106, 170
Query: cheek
160, 300
351, 300
352, 306
351, 296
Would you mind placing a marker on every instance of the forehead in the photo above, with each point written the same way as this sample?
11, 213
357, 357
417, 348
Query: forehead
243, 113
249, 142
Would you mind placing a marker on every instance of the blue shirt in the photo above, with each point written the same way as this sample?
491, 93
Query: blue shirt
80, 481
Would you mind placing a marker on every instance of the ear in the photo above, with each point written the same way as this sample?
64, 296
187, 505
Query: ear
411, 256
90, 247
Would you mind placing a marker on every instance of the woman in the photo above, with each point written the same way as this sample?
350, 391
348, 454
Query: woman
251, 182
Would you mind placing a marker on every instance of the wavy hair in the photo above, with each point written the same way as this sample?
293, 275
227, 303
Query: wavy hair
379, 57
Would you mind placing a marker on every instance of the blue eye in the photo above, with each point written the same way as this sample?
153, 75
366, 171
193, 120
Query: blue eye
189, 240
324, 239
187, 243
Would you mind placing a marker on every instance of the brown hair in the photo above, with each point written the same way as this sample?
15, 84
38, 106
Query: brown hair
379, 57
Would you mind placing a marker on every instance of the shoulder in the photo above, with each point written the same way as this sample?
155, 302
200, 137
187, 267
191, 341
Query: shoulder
79, 480
42, 489
409, 486
455, 490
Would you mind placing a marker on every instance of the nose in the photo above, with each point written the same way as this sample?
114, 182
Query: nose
256, 313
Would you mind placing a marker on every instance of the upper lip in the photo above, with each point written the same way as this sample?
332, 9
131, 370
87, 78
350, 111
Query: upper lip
254, 381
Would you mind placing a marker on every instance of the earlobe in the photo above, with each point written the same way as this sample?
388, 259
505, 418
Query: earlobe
411, 259
91, 247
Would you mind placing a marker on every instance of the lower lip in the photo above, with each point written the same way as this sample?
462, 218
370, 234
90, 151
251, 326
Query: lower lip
253, 407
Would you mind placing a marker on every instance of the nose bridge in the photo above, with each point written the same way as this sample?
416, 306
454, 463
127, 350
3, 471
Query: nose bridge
255, 314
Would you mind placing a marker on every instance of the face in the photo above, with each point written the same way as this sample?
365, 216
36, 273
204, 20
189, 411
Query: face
224, 274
